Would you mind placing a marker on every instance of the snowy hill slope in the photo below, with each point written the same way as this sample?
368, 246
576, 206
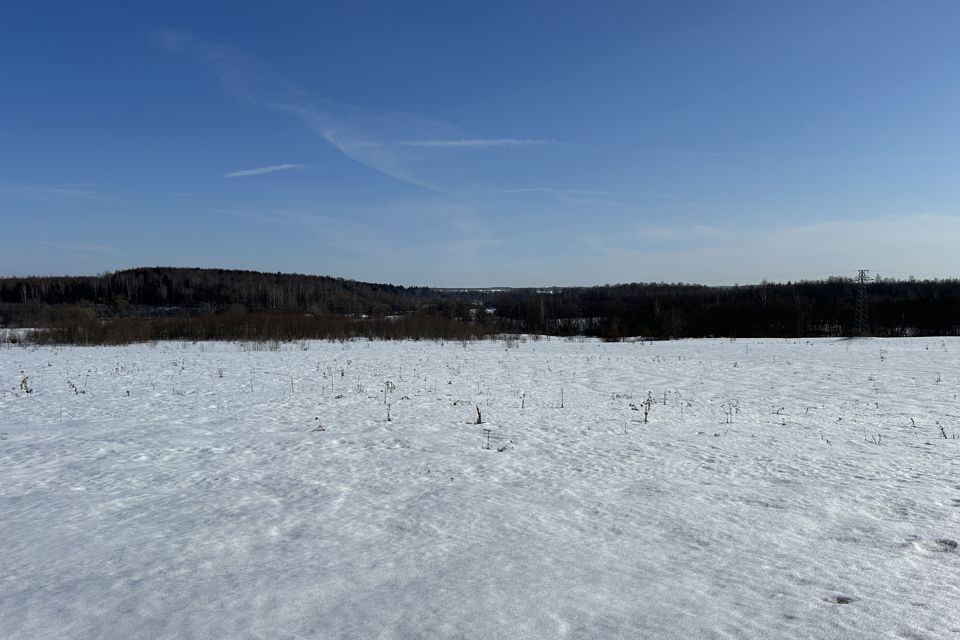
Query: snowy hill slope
793, 489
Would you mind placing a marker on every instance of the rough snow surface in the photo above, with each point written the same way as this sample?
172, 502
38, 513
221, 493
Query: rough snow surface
788, 489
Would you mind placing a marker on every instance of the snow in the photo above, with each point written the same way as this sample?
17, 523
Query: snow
182, 490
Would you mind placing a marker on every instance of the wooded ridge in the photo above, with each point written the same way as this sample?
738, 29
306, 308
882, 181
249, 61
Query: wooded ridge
172, 302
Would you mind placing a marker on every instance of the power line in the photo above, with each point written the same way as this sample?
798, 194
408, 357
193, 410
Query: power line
863, 309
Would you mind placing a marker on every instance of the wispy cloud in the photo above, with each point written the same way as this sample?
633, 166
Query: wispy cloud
654, 237
944, 156
906, 244
554, 191
51, 192
395, 144
456, 244
576, 196
86, 248
259, 171
343, 226
172, 39
705, 231
690, 153
332, 231
474, 143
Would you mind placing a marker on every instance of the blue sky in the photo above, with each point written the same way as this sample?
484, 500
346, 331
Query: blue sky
483, 144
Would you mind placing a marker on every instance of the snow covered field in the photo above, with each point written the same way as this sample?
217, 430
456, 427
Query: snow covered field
788, 489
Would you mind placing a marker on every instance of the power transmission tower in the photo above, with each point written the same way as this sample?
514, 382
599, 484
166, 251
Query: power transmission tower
862, 312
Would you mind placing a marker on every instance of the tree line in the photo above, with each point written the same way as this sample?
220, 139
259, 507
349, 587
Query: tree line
804, 309
209, 304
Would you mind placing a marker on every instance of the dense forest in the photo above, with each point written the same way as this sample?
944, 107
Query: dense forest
179, 303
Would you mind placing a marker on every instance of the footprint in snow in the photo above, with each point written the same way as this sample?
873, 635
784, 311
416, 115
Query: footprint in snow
937, 545
945, 544
838, 599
